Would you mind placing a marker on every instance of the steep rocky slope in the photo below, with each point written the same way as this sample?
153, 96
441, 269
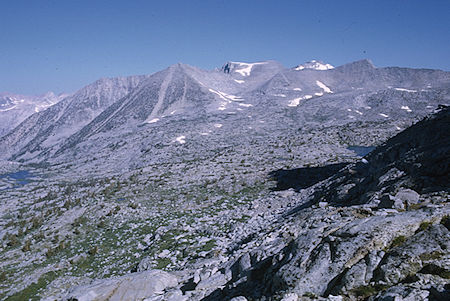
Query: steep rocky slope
45, 129
384, 241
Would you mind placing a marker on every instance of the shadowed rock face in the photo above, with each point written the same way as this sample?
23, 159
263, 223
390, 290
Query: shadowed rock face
417, 158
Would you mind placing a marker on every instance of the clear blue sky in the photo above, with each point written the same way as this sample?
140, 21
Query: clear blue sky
62, 45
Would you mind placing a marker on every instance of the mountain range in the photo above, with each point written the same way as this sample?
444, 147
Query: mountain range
16, 108
356, 92
251, 181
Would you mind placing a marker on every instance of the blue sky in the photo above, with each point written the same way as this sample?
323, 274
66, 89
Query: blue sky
62, 45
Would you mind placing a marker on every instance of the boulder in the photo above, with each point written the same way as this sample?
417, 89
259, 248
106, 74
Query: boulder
408, 195
135, 286
214, 281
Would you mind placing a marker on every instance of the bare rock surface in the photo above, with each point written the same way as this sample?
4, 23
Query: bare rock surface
137, 286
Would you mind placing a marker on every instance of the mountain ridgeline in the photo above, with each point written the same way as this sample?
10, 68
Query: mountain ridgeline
350, 93
16, 108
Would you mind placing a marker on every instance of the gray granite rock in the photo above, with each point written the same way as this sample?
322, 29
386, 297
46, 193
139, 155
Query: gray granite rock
136, 286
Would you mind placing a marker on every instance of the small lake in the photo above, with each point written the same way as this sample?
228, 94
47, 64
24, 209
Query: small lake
361, 150
17, 179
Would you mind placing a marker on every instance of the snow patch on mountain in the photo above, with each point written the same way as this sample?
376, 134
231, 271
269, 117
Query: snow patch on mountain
406, 108
314, 65
181, 139
405, 90
226, 96
246, 67
296, 101
247, 105
323, 87
8, 109
153, 120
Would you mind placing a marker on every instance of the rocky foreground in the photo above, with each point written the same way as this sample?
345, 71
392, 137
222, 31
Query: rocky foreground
376, 229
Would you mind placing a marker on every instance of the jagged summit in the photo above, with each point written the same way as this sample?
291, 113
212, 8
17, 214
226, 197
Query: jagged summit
365, 64
314, 65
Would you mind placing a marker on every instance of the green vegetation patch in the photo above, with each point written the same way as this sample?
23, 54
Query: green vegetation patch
32, 291
424, 226
365, 291
399, 240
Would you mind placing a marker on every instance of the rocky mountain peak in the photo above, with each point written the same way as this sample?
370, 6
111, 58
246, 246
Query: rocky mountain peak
364, 64
314, 65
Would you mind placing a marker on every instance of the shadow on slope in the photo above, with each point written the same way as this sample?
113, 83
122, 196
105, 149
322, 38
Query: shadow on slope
300, 178
259, 283
417, 158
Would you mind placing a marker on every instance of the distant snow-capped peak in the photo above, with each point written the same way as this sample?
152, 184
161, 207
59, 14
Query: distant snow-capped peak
315, 65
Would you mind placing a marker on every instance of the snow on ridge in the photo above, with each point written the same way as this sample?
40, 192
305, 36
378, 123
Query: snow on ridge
239, 81
296, 101
323, 87
406, 108
314, 65
181, 139
153, 120
405, 90
246, 67
223, 106
38, 107
226, 96
383, 115
8, 108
